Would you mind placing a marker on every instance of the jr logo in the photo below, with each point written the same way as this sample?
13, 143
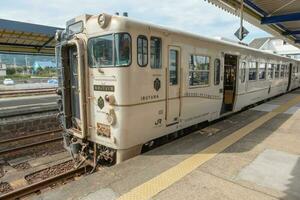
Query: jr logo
158, 122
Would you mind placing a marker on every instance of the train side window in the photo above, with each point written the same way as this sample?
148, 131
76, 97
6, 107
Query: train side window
262, 71
282, 71
287, 70
243, 71
252, 71
199, 70
271, 70
277, 71
142, 50
155, 51
217, 71
173, 66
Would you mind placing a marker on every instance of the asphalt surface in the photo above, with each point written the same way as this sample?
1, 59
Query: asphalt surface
7, 103
23, 86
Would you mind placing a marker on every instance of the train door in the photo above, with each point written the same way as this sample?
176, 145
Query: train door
290, 76
173, 86
73, 84
230, 71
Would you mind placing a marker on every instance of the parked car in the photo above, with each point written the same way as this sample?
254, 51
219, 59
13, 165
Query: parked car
52, 81
8, 81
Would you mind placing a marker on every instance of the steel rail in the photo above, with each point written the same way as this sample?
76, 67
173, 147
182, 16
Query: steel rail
32, 188
6, 151
29, 136
12, 93
27, 90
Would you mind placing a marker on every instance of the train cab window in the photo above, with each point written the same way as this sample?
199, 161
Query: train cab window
243, 71
217, 71
155, 51
277, 71
262, 71
252, 71
100, 50
271, 70
173, 66
142, 50
122, 49
199, 70
282, 71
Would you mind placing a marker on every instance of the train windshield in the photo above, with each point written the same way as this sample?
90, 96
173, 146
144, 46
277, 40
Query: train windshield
112, 50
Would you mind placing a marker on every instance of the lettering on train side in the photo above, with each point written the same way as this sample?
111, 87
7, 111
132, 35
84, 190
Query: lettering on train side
105, 88
149, 97
196, 94
158, 122
160, 112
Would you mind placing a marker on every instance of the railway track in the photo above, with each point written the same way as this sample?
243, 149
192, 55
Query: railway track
37, 142
25, 92
36, 187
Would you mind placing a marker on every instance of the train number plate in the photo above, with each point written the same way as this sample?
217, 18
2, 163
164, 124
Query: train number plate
105, 88
103, 130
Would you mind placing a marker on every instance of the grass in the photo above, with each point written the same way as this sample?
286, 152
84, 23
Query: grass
17, 76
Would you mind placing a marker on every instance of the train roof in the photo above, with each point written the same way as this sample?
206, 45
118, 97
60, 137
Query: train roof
197, 36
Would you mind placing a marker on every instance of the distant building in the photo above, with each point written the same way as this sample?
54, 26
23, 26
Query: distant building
277, 46
2, 69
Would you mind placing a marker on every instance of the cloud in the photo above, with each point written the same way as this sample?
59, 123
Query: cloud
197, 16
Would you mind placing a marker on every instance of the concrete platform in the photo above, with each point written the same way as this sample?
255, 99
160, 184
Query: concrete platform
254, 154
14, 106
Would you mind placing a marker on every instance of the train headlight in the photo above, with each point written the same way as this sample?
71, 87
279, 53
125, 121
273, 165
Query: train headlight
111, 117
103, 20
110, 99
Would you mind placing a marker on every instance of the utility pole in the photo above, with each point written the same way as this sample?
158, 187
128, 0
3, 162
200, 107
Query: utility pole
241, 22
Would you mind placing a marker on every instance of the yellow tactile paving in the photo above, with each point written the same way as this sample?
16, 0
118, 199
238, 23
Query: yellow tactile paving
174, 174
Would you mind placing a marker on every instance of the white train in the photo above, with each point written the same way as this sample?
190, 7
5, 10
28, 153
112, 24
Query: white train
126, 83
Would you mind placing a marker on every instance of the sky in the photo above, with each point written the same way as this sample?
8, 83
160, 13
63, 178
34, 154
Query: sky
196, 16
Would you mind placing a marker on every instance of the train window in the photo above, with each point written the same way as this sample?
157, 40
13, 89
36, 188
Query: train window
122, 49
271, 70
100, 50
294, 69
252, 71
173, 66
142, 50
199, 70
262, 71
282, 71
155, 50
243, 71
287, 71
277, 70
217, 71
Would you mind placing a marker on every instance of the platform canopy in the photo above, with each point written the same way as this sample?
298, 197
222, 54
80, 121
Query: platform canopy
24, 37
280, 18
